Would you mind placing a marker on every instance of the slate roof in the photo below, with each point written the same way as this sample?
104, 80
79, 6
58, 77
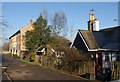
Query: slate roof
108, 38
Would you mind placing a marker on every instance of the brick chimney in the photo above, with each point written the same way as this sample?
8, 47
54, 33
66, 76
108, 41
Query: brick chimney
31, 21
90, 22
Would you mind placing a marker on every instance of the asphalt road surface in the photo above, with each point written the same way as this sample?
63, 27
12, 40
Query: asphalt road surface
18, 70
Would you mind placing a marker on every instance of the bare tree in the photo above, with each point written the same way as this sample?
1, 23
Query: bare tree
3, 23
3, 28
5, 46
59, 23
44, 14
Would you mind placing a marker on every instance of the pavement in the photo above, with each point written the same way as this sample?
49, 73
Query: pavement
18, 70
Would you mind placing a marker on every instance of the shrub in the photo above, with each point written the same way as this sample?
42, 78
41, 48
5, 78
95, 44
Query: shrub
32, 56
15, 56
72, 59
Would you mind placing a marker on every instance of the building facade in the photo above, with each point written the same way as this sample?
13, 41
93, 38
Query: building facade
17, 45
14, 44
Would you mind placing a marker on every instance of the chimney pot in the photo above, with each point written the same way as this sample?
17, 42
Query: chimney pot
31, 21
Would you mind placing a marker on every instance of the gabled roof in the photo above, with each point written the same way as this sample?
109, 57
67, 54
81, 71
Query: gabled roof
42, 48
107, 39
89, 39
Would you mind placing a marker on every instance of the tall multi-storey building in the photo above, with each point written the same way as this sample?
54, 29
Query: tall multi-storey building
17, 45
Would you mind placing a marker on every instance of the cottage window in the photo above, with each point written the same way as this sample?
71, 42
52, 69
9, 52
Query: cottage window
118, 57
107, 57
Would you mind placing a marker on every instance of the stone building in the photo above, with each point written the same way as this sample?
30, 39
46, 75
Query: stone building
16, 45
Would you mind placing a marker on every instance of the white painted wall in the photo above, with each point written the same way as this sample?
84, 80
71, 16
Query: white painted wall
96, 25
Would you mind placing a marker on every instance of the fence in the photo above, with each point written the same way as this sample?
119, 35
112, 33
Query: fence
115, 69
87, 68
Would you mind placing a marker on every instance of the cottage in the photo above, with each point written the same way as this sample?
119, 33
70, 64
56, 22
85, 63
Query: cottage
44, 54
103, 45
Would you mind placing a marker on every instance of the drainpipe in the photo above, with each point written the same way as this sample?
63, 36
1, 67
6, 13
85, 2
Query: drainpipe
112, 71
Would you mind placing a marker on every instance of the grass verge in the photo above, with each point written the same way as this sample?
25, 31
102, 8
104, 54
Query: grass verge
33, 63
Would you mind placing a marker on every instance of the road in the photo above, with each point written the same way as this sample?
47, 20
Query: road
19, 70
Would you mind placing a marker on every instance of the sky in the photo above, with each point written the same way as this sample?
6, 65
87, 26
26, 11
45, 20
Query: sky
17, 14
60, 0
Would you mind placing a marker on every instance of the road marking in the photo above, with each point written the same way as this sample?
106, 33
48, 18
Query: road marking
8, 76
